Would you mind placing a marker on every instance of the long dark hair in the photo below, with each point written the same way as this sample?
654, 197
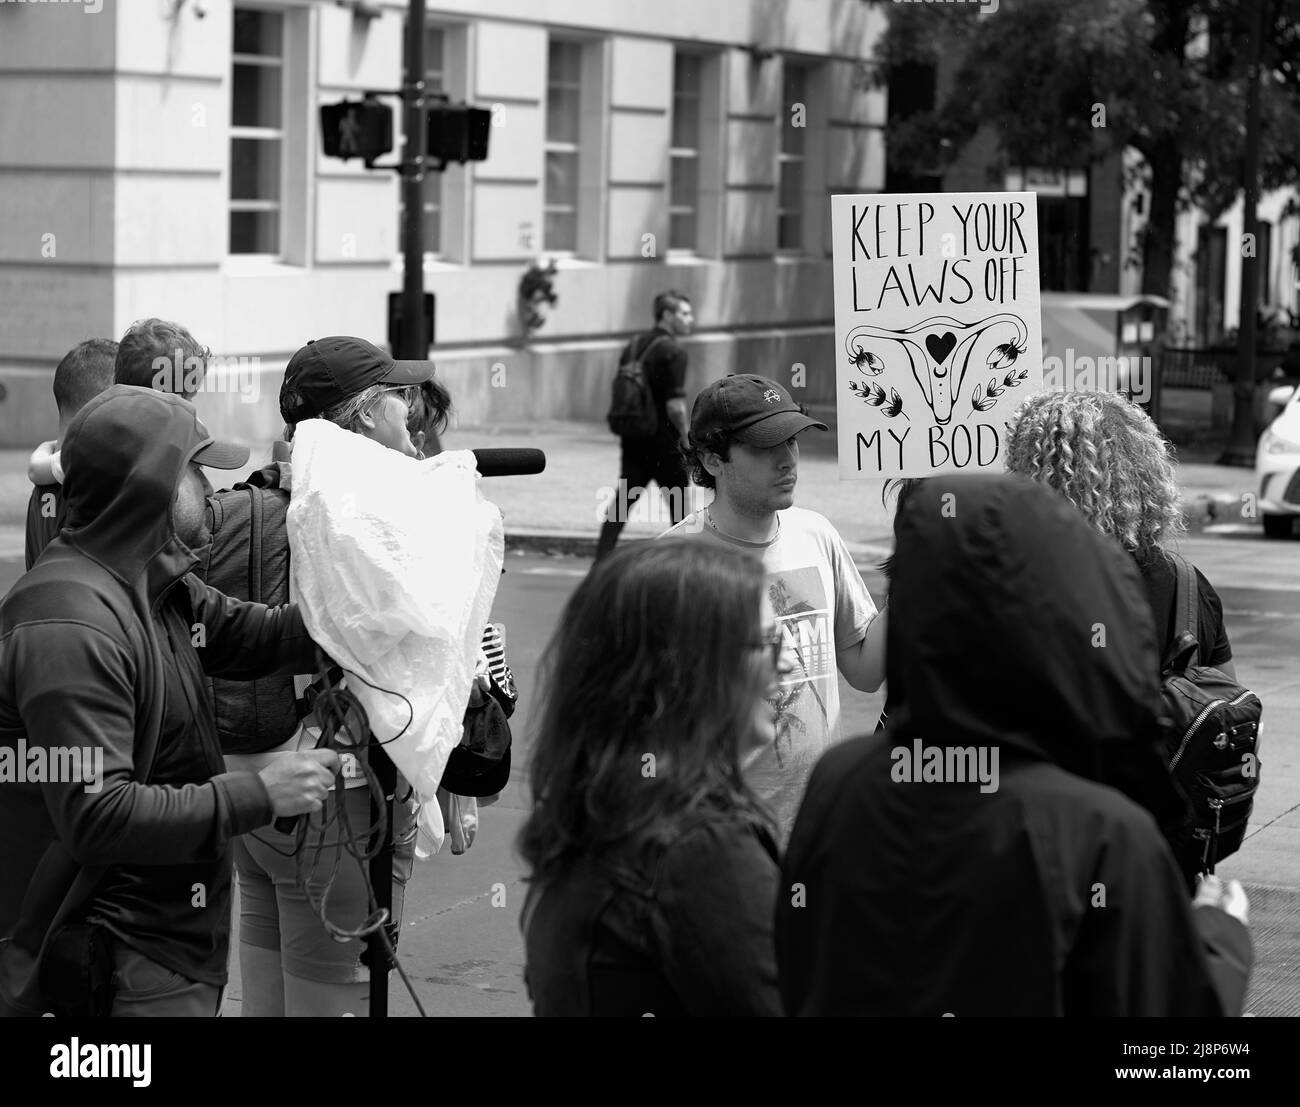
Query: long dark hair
905, 486
648, 685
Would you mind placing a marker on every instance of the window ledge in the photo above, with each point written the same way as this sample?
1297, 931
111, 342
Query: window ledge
687, 257
258, 265
571, 262
440, 265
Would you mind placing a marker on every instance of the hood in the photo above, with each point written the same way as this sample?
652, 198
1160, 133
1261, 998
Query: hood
124, 456
1014, 623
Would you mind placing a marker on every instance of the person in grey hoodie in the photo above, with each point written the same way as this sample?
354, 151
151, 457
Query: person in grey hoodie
103, 650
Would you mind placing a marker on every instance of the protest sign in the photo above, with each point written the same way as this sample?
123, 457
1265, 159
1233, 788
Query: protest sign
937, 328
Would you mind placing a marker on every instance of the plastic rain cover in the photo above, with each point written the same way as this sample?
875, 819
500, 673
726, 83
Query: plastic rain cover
395, 563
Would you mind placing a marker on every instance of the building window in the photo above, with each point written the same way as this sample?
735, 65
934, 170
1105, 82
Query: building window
563, 128
435, 80
1211, 283
1264, 260
684, 152
256, 131
789, 200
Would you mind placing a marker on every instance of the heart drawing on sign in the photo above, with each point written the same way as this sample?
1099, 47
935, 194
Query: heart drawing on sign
940, 347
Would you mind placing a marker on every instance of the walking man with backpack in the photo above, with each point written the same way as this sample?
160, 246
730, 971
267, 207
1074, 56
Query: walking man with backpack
649, 415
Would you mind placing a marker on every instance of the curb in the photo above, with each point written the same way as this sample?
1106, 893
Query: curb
866, 555
1203, 509
1212, 508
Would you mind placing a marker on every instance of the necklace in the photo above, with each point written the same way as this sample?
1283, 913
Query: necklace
708, 518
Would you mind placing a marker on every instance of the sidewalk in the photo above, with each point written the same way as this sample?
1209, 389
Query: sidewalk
560, 510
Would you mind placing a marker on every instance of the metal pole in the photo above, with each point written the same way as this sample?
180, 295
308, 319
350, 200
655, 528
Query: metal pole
1241, 445
415, 343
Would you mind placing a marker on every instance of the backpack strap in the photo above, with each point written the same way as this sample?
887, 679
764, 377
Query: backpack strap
653, 339
1186, 599
255, 546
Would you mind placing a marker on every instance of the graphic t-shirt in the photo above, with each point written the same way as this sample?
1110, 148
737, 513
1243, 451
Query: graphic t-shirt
822, 607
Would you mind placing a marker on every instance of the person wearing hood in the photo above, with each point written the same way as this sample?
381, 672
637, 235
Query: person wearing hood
1013, 861
103, 649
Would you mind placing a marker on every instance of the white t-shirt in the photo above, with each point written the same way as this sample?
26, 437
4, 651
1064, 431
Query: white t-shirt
822, 607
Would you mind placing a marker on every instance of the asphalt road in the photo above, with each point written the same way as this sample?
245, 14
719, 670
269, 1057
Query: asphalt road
461, 943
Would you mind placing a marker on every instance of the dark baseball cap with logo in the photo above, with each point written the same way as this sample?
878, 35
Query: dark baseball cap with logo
753, 410
327, 371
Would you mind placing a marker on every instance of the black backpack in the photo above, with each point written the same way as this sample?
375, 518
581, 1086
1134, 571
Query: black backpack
249, 560
632, 411
1211, 740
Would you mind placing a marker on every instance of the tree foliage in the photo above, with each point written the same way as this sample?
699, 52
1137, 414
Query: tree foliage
1170, 76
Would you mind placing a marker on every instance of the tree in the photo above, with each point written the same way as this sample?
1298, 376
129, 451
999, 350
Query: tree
1165, 77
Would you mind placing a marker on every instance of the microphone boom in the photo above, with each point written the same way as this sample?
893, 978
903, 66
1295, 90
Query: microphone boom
511, 462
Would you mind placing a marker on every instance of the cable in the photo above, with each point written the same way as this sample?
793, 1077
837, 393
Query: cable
339, 711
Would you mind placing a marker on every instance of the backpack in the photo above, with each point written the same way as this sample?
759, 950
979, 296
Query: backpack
1211, 740
632, 411
249, 560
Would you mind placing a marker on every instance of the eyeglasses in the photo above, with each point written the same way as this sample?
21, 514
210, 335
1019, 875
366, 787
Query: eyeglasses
774, 641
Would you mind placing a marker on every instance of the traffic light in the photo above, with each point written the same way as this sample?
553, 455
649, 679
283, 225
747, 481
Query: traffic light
457, 132
397, 332
357, 129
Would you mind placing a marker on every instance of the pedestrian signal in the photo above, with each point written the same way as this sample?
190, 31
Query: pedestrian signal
457, 132
357, 129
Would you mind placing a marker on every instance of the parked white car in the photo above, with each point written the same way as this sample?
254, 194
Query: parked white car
1277, 465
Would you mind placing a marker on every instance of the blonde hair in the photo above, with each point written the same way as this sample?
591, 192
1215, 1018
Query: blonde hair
1105, 455
347, 414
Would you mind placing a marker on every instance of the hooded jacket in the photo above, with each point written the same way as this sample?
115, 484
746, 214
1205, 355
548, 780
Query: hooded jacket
103, 647
1044, 886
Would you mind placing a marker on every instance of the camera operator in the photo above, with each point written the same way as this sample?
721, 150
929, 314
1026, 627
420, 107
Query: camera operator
105, 643
290, 963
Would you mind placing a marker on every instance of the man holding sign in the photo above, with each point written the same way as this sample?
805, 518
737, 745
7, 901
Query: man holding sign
937, 328
744, 445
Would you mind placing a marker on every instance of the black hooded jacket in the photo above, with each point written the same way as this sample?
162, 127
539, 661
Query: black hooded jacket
1015, 629
104, 643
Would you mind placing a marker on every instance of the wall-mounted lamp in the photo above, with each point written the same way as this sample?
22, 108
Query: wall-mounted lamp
362, 9
171, 9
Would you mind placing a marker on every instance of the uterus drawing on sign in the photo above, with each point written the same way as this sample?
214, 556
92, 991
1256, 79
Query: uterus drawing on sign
939, 350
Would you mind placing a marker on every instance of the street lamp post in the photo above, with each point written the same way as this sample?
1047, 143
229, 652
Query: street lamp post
1241, 444
414, 340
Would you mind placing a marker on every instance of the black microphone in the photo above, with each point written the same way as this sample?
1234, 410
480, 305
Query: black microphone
509, 462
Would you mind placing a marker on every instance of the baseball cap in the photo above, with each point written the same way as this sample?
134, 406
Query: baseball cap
480, 764
327, 371
753, 410
219, 455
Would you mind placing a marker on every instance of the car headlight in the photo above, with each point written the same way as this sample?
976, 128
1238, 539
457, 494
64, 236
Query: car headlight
1274, 443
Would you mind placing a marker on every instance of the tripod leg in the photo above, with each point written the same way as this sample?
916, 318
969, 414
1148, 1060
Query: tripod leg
381, 880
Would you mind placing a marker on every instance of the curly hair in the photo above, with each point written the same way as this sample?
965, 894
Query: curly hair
714, 441
156, 353
430, 408
1105, 455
